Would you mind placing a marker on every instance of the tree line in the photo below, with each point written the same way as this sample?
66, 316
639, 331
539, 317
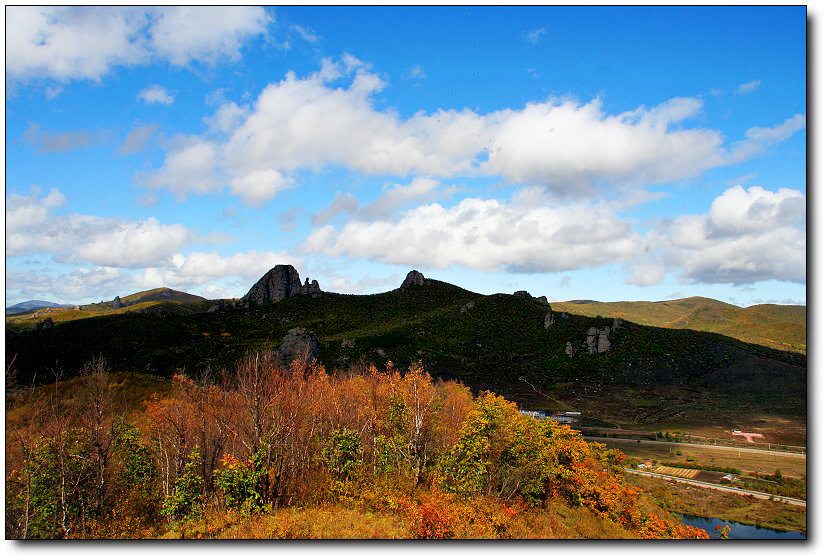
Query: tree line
272, 435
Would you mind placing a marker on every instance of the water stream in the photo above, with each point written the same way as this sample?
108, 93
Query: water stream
738, 530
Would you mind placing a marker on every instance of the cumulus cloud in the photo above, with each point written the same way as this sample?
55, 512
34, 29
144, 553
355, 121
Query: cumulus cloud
78, 286
66, 43
226, 118
205, 34
189, 168
137, 139
330, 119
260, 186
32, 227
199, 267
747, 236
523, 235
645, 274
156, 94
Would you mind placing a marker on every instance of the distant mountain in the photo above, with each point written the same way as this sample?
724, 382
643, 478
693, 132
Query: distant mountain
777, 326
158, 300
31, 305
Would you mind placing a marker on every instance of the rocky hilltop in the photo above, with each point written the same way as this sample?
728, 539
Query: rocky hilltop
281, 282
414, 278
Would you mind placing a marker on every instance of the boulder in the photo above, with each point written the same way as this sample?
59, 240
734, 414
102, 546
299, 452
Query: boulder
414, 278
299, 343
281, 282
117, 304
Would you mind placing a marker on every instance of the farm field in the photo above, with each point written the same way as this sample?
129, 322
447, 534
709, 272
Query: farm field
790, 466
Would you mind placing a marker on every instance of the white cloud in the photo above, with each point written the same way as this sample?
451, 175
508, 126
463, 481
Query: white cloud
190, 168
644, 274
81, 285
226, 118
306, 33
533, 37
565, 146
524, 235
748, 87
747, 236
66, 43
205, 34
31, 227
260, 186
758, 139
156, 94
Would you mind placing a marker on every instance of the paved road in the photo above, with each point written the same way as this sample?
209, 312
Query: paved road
687, 444
703, 484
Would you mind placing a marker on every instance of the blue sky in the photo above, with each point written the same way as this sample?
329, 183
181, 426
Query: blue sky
597, 153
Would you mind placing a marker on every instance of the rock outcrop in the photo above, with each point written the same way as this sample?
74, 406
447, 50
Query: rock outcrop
467, 307
280, 283
569, 349
46, 324
597, 340
544, 300
414, 278
522, 293
548, 320
117, 304
299, 342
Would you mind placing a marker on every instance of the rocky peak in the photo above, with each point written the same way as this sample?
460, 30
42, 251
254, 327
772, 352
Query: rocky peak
281, 282
414, 278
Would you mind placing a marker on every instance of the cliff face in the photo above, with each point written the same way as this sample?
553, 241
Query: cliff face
279, 283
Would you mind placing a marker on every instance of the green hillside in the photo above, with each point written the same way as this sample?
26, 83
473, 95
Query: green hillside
158, 300
780, 327
498, 343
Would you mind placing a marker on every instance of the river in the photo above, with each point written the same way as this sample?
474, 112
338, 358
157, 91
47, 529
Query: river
738, 530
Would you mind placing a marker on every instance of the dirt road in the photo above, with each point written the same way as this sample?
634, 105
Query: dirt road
687, 444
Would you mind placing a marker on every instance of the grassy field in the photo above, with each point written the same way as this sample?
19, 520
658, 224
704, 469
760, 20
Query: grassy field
745, 461
776, 326
683, 498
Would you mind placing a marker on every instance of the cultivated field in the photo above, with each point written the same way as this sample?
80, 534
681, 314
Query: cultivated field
790, 465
